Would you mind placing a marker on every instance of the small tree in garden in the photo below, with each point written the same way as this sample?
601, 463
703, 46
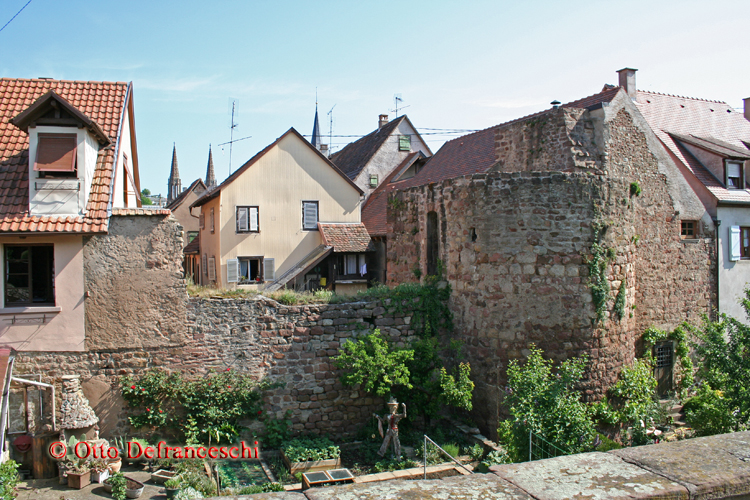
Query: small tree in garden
547, 403
416, 375
723, 351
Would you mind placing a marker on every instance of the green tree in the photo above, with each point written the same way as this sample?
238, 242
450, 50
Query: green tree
145, 200
546, 403
417, 374
723, 350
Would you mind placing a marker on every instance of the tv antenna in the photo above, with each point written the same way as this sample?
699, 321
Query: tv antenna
330, 130
397, 100
234, 112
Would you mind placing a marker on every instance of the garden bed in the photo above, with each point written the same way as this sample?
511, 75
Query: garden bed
241, 473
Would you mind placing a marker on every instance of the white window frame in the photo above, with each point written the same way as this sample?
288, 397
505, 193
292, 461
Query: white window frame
251, 219
306, 225
741, 170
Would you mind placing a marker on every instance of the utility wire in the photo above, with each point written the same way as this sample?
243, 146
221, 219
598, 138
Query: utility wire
11, 19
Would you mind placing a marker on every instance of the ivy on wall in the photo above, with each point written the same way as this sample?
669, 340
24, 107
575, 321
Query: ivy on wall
598, 283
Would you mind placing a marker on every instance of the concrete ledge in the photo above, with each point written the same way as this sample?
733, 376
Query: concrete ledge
702, 468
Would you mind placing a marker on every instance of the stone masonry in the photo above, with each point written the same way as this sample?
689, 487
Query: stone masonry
515, 246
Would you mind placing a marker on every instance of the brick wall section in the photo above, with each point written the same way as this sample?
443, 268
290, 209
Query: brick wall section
524, 278
289, 344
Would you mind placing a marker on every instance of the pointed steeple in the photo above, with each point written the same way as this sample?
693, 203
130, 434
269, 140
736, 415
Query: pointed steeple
174, 187
210, 176
316, 130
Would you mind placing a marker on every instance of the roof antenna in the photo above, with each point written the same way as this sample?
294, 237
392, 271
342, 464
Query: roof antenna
234, 113
330, 130
397, 100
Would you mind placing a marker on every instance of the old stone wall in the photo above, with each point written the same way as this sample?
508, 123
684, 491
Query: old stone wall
258, 336
516, 248
135, 291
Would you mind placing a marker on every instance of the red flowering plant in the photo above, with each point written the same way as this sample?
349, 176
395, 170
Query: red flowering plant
152, 397
202, 410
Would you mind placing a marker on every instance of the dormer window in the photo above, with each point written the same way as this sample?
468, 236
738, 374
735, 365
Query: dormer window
56, 155
735, 175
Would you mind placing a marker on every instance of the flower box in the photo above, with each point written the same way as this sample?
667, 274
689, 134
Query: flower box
99, 476
162, 475
311, 466
79, 480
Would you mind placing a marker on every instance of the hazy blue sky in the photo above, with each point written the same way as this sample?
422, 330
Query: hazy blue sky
458, 65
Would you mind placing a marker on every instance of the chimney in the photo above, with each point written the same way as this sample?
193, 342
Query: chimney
746, 100
382, 120
627, 81
324, 150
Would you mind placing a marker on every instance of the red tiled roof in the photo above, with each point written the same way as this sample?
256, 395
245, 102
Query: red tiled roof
345, 237
475, 153
194, 247
102, 102
712, 121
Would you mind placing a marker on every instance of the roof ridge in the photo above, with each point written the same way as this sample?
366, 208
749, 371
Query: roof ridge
681, 96
10, 79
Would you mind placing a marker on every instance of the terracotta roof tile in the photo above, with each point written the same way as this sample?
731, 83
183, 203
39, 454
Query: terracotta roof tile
702, 120
103, 100
346, 237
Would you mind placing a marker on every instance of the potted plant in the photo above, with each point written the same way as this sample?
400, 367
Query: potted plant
133, 488
79, 476
116, 486
172, 486
114, 465
99, 470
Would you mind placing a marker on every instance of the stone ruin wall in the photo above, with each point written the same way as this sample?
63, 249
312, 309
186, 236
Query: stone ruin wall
289, 344
524, 279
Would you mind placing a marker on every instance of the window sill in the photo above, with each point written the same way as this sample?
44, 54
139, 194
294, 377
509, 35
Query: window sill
344, 281
691, 240
30, 310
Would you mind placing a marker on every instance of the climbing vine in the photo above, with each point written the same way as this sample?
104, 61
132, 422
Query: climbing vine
598, 283
684, 375
620, 301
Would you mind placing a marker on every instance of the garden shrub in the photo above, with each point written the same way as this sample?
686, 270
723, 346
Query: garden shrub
188, 493
8, 480
304, 449
709, 412
547, 404
635, 394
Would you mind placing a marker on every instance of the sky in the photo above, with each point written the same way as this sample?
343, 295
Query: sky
458, 66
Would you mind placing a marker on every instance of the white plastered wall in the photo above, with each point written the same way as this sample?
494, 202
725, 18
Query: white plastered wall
734, 276
57, 328
118, 200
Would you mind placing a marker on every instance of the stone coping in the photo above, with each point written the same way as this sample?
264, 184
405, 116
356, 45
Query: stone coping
702, 468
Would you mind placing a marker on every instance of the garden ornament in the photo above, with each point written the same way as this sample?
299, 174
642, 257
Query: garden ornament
391, 434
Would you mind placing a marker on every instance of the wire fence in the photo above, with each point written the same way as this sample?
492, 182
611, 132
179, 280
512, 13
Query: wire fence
540, 448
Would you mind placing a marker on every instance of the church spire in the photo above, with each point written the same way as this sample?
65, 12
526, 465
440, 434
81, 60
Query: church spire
174, 187
316, 130
210, 176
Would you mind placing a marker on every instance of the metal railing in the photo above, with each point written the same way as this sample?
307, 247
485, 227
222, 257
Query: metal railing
424, 453
540, 448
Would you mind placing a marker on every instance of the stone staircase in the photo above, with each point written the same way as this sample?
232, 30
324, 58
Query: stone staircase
675, 411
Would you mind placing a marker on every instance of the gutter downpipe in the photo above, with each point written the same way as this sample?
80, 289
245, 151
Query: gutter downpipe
4, 405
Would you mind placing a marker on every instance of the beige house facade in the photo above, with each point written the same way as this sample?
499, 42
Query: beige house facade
262, 223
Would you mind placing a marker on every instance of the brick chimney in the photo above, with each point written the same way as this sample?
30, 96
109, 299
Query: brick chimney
627, 81
746, 100
324, 150
382, 120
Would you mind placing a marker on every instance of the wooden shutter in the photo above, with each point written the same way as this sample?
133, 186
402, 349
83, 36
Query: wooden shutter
56, 153
241, 219
204, 264
211, 269
254, 219
309, 215
233, 273
202, 221
404, 143
269, 269
213, 227
734, 243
